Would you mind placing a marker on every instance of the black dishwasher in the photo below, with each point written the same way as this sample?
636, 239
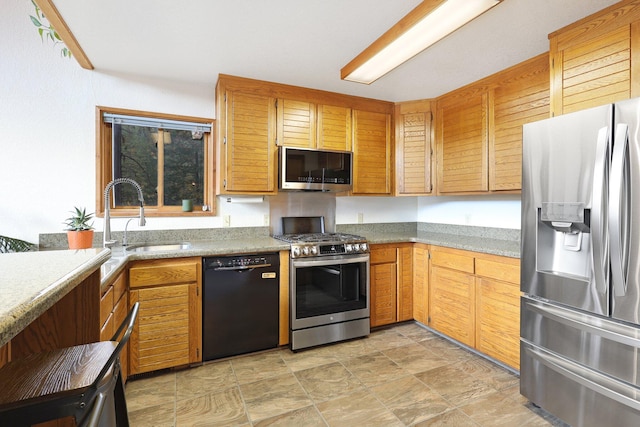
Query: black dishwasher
240, 310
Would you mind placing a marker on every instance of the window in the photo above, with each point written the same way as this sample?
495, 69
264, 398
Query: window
171, 157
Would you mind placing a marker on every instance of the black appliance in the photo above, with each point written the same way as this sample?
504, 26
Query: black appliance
241, 300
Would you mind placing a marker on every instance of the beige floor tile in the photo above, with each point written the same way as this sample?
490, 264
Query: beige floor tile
157, 390
328, 382
259, 366
499, 377
349, 349
205, 379
273, 396
389, 338
359, 409
216, 409
454, 385
305, 417
306, 359
415, 358
454, 418
154, 416
402, 375
410, 400
497, 410
374, 369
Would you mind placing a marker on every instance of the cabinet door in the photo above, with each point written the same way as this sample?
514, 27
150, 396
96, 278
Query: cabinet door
498, 308
164, 333
296, 123
413, 148
462, 142
595, 60
421, 283
371, 152
383, 294
334, 127
250, 150
498, 320
521, 97
452, 299
405, 283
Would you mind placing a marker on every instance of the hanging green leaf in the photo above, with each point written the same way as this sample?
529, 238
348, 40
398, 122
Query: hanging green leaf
45, 29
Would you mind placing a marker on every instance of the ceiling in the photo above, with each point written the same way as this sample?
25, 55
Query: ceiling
306, 43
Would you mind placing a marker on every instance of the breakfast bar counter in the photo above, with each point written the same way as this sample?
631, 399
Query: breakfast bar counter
47, 299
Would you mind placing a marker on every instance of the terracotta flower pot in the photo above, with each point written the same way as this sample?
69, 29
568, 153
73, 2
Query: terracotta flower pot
80, 239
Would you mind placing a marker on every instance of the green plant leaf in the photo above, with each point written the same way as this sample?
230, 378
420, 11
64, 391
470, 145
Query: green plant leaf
35, 21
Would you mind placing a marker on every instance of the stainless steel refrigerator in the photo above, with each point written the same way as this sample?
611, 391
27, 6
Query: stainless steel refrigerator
580, 265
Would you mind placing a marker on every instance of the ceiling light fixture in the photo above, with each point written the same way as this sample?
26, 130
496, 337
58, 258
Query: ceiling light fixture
429, 22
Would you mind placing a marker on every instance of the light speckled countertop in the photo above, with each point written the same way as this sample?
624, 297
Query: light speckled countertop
32, 282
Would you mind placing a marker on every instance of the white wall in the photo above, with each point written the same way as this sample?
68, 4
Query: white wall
485, 211
47, 143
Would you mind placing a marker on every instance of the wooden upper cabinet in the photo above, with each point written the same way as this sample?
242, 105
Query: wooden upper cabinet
596, 61
334, 127
371, 153
413, 148
462, 141
249, 145
521, 96
296, 123
307, 125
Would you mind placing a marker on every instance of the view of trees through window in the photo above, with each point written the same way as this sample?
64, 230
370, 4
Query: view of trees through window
168, 165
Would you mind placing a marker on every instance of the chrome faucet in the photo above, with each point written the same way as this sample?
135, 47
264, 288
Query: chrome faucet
106, 235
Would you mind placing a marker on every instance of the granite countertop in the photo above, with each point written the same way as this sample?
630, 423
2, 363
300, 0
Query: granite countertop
508, 248
32, 282
491, 242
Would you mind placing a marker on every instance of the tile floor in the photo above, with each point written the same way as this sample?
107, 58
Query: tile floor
401, 376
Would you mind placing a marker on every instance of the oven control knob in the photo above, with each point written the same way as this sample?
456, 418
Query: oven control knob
363, 247
348, 247
295, 251
314, 250
305, 250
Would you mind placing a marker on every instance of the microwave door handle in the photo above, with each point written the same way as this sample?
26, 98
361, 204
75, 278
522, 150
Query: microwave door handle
600, 237
619, 207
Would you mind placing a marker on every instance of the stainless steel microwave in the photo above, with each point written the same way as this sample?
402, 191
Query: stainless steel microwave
314, 170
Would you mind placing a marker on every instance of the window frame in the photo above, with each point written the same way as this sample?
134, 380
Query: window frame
104, 163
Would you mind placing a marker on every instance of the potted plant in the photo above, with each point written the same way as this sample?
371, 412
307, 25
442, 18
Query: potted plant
79, 230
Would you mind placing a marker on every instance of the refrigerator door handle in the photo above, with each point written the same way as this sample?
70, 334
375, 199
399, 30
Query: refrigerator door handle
619, 210
600, 236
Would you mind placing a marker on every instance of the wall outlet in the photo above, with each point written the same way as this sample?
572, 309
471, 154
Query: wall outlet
265, 221
360, 218
226, 221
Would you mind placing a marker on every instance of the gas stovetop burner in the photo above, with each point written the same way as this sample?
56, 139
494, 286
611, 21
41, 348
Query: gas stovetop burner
322, 244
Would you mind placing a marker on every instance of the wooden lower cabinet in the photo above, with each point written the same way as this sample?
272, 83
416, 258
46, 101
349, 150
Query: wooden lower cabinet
452, 297
114, 307
391, 278
169, 328
498, 308
420, 288
475, 299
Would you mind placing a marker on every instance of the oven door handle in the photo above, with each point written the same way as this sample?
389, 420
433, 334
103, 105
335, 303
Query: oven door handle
331, 260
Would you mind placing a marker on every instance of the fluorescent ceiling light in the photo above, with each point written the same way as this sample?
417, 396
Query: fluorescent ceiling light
429, 22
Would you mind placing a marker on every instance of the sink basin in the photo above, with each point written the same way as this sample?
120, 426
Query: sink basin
156, 247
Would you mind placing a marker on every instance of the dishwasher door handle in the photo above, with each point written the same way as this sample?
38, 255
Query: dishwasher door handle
242, 267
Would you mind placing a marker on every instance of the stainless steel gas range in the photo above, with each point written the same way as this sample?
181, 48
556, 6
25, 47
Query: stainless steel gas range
329, 283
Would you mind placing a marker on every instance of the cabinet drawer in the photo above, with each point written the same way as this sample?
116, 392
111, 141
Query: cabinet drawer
119, 287
150, 274
383, 254
106, 305
452, 260
504, 269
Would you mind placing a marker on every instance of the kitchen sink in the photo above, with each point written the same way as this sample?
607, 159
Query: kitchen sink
156, 247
